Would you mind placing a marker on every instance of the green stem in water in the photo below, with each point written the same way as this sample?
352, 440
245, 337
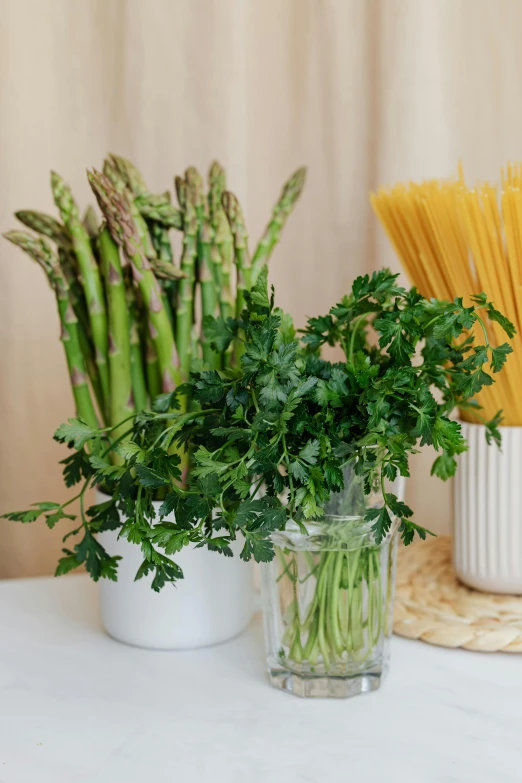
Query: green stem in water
334, 591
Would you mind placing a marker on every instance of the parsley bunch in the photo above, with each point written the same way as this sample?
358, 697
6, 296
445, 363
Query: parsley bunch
267, 442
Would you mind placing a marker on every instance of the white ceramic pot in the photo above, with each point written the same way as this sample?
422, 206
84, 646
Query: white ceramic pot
487, 552
213, 603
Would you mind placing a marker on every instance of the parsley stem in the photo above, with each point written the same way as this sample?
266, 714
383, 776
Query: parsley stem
383, 489
82, 509
118, 440
355, 329
481, 322
79, 495
103, 430
256, 488
183, 418
286, 457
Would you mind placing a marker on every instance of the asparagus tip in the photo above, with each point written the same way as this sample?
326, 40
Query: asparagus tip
195, 185
231, 205
181, 191
19, 238
216, 170
56, 180
296, 183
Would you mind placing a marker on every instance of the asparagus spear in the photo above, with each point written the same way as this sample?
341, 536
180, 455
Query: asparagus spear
152, 368
77, 297
50, 227
291, 192
209, 285
161, 241
222, 243
139, 387
166, 214
131, 176
90, 222
241, 255
121, 185
181, 191
164, 269
42, 253
216, 181
121, 400
47, 225
185, 310
90, 276
153, 200
117, 211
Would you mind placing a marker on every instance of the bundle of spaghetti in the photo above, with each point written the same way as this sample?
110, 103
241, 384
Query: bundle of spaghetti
457, 241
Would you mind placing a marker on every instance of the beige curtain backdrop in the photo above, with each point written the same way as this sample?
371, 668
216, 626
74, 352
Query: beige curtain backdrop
362, 91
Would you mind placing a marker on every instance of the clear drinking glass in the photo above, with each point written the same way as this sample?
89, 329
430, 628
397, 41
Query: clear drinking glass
328, 601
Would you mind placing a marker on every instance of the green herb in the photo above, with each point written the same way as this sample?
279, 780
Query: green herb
268, 441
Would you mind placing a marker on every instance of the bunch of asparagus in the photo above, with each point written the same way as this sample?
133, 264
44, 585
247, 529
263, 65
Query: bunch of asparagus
131, 317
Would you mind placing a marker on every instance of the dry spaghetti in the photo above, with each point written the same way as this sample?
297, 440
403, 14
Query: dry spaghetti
453, 241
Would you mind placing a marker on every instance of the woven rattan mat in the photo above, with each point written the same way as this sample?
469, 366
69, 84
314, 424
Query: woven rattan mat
432, 605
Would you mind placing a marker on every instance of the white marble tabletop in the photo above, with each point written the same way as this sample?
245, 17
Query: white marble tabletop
78, 707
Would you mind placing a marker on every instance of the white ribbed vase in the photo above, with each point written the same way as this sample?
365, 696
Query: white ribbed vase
487, 544
212, 603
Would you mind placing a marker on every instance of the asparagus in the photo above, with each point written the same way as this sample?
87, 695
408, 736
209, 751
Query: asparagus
291, 192
241, 255
165, 214
153, 200
139, 387
117, 211
152, 367
130, 175
216, 180
90, 222
42, 253
66, 259
79, 305
91, 279
209, 285
181, 191
119, 182
148, 301
164, 269
161, 241
121, 398
223, 244
46, 225
185, 310
217, 183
